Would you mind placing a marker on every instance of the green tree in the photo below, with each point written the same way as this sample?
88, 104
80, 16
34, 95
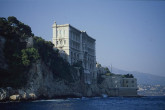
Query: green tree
128, 76
107, 70
5, 28
29, 55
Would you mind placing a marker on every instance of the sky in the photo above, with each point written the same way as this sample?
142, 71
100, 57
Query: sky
130, 35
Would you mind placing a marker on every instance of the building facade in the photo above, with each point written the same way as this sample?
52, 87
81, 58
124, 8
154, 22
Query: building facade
119, 86
78, 46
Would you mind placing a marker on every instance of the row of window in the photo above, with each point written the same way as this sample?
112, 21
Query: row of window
74, 36
91, 66
75, 45
60, 32
131, 81
129, 86
91, 51
90, 59
74, 57
90, 43
61, 42
88, 48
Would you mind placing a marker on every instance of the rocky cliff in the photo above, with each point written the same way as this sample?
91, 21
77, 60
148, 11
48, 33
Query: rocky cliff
42, 84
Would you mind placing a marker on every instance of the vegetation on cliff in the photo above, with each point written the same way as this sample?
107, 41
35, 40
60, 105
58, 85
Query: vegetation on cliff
60, 67
19, 58
128, 76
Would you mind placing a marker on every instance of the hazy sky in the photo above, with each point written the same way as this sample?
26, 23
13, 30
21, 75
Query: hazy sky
130, 35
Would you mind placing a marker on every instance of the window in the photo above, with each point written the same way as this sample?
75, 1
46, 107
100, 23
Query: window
71, 34
64, 32
76, 37
74, 55
71, 54
64, 41
132, 81
60, 42
57, 42
78, 56
72, 44
57, 34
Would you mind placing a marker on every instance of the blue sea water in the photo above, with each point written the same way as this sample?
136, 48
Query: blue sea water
110, 103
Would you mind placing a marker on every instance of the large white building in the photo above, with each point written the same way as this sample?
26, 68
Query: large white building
78, 46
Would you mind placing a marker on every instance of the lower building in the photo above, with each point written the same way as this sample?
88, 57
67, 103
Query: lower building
119, 86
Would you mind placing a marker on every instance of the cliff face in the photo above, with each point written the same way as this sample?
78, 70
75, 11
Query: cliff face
42, 83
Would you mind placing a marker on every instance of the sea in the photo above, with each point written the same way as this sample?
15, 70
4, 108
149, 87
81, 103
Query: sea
96, 103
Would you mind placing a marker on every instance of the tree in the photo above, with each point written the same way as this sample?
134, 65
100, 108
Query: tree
25, 29
13, 20
128, 76
19, 27
5, 28
107, 70
29, 55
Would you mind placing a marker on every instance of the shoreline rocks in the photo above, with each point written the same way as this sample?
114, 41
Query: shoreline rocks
3, 94
9, 94
14, 97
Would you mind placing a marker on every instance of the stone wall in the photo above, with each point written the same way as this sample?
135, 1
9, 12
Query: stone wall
127, 91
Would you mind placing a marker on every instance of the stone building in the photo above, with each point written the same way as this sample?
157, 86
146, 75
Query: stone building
78, 46
119, 86
129, 82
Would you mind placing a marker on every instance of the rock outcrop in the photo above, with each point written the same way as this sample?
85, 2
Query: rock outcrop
3, 94
42, 83
15, 97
